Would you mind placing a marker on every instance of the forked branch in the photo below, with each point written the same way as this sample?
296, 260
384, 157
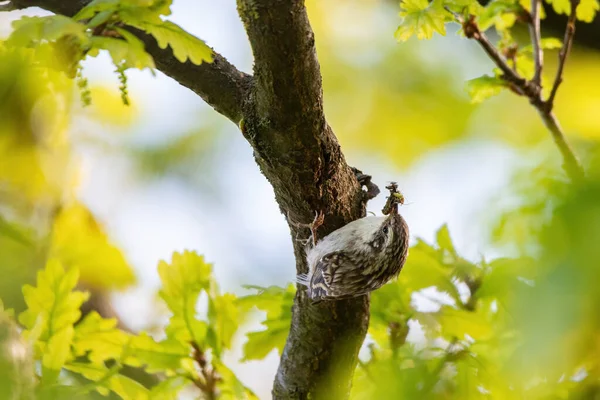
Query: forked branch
532, 88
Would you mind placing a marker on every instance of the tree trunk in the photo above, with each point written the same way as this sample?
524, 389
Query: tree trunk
280, 112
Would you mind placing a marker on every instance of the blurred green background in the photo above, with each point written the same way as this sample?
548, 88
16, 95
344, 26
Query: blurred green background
501, 303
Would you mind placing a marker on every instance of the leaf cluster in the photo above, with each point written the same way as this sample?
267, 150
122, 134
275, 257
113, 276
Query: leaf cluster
107, 25
94, 350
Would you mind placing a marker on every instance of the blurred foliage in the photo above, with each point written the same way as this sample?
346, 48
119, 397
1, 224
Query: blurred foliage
95, 349
99, 26
400, 103
40, 217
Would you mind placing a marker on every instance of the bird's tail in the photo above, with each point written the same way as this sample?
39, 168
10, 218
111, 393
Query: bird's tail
303, 279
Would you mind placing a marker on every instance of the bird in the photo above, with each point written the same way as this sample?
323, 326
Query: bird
359, 257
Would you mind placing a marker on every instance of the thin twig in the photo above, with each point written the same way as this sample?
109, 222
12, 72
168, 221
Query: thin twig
571, 164
534, 32
522, 86
7, 7
564, 52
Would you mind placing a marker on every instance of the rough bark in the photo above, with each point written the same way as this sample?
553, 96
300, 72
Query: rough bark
281, 114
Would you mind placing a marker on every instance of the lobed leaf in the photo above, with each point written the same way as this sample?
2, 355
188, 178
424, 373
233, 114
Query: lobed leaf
484, 87
422, 19
53, 307
184, 45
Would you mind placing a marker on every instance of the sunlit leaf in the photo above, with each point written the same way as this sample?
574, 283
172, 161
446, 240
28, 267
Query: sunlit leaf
31, 30
277, 303
222, 317
182, 281
163, 356
457, 323
168, 389
99, 338
484, 87
184, 45
130, 53
230, 387
586, 11
444, 241
261, 343
546, 44
422, 19
78, 239
52, 310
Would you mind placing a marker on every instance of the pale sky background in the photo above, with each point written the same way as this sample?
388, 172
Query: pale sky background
248, 241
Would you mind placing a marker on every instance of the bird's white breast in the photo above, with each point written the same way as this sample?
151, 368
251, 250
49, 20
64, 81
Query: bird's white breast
357, 234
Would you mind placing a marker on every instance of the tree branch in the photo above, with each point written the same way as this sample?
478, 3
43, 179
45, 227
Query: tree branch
531, 90
281, 112
534, 32
219, 83
564, 52
300, 156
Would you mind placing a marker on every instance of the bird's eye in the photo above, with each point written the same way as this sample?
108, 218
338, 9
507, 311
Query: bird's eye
385, 230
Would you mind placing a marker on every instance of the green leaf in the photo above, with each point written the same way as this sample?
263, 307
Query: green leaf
546, 44
127, 388
28, 30
53, 307
444, 241
129, 52
587, 10
230, 387
162, 7
107, 379
484, 87
421, 19
456, 323
79, 239
164, 356
182, 282
8, 313
505, 276
500, 13
560, 6
261, 343
96, 6
58, 351
168, 389
100, 18
277, 303
424, 268
222, 317
99, 338
184, 45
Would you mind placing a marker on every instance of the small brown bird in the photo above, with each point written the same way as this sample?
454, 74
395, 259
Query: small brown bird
359, 257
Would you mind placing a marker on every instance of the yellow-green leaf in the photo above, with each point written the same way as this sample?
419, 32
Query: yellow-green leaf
78, 239
222, 317
32, 30
182, 281
165, 356
422, 19
230, 387
184, 45
484, 87
168, 389
58, 351
443, 239
99, 338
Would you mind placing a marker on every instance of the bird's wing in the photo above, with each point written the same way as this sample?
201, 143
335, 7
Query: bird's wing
338, 275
